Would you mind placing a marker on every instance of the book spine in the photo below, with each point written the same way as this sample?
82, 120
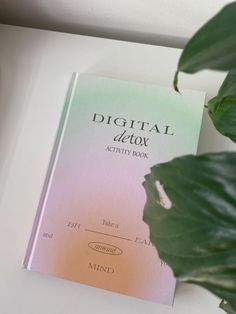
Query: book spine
50, 171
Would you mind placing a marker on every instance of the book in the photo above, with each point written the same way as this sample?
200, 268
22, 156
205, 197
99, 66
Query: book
88, 226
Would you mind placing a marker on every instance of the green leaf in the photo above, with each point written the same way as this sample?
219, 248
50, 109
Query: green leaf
191, 213
213, 46
227, 307
222, 108
228, 88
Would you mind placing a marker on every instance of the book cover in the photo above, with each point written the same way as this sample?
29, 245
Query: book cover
88, 227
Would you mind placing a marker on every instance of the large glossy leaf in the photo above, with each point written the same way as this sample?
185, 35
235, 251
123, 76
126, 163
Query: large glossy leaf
222, 108
191, 213
213, 46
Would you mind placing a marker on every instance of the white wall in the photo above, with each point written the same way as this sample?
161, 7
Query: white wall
163, 22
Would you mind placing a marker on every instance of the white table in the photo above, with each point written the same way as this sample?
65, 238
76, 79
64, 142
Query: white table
35, 68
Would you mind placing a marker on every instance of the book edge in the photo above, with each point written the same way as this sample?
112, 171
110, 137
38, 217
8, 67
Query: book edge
49, 173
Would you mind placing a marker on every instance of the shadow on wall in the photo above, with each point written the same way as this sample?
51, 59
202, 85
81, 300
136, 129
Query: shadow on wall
39, 17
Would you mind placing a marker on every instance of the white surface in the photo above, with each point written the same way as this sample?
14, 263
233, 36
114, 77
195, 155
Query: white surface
35, 68
149, 21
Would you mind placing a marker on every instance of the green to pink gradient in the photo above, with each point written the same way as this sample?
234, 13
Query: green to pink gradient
93, 198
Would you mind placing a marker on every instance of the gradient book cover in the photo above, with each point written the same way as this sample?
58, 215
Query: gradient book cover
88, 227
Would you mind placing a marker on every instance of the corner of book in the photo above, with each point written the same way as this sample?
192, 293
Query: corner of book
25, 262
